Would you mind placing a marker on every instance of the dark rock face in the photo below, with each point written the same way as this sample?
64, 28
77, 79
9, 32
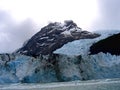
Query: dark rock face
110, 44
54, 36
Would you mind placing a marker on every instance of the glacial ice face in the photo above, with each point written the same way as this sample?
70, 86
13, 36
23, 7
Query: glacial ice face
25, 69
71, 62
96, 66
68, 68
85, 67
101, 65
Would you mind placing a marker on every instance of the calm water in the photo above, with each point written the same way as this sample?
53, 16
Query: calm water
104, 84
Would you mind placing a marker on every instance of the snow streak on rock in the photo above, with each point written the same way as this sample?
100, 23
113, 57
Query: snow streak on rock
54, 36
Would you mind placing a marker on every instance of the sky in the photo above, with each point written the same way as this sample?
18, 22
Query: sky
20, 19
109, 15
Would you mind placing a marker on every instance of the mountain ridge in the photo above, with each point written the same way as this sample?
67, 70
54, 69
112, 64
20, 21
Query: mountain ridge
54, 36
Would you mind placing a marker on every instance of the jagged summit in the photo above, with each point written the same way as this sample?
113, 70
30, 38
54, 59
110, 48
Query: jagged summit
54, 36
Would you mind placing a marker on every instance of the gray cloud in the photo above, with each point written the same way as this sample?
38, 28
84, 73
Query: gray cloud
109, 11
12, 33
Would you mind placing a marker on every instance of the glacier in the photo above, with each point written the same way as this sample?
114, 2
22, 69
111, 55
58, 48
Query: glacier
59, 53
68, 63
96, 66
21, 68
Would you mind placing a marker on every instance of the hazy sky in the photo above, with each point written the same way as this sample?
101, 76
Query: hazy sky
109, 15
20, 19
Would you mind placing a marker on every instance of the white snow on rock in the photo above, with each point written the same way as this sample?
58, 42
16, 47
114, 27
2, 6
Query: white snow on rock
68, 33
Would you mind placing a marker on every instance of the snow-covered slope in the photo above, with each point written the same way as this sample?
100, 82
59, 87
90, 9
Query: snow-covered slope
82, 46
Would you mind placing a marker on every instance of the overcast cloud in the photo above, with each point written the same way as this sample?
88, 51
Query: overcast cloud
12, 33
109, 15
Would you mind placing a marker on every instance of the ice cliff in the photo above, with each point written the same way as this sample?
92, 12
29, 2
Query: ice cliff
61, 52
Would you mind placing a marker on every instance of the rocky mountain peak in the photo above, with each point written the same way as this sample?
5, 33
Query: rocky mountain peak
54, 36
